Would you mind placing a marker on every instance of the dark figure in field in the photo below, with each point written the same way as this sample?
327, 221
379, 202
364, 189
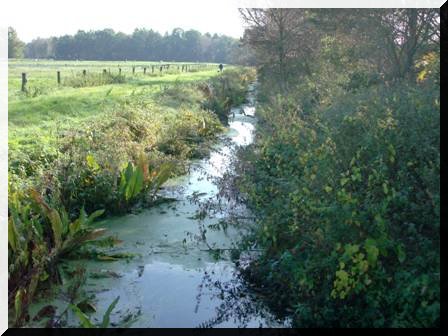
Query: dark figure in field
220, 67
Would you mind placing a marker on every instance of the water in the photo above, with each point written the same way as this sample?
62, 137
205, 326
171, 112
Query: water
175, 281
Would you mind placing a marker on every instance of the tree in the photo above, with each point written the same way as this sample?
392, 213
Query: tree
142, 44
281, 36
15, 45
39, 48
391, 39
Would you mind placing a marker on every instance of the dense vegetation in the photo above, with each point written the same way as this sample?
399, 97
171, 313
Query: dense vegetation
141, 45
344, 175
78, 151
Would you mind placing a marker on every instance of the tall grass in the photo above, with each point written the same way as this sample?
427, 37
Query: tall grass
94, 79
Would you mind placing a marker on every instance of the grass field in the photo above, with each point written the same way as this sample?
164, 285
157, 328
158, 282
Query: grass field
47, 107
38, 104
38, 117
162, 112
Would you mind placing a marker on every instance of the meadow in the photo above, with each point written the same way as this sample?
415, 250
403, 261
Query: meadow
99, 142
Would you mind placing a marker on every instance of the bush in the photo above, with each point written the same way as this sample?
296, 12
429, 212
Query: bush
227, 90
347, 196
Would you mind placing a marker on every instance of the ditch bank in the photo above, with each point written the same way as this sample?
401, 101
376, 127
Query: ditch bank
181, 273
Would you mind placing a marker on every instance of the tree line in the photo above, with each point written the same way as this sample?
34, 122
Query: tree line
142, 45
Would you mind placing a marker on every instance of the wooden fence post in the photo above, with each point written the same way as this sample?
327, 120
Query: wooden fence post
133, 70
119, 71
161, 67
104, 71
24, 81
84, 72
59, 77
144, 71
152, 68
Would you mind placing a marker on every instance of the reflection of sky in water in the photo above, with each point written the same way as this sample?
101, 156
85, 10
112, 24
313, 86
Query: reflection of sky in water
175, 282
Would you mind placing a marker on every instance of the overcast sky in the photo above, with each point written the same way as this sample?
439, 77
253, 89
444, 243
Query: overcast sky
45, 18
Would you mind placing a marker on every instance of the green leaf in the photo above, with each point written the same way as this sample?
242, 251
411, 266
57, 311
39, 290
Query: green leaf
92, 235
372, 251
74, 226
12, 235
122, 186
93, 216
91, 162
64, 221
130, 188
162, 176
106, 317
129, 171
86, 306
106, 258
385, 188
401, 253
56, 226
138, 181
134, 184
18, 303
85, 322
53, 216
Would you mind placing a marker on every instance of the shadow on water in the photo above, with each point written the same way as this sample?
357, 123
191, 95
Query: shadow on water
183, 273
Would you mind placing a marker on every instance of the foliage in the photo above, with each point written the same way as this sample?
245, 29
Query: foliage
38, 235
227, 90
344, 179
85, 321
134, 180
349, 207
142, 44
15, 45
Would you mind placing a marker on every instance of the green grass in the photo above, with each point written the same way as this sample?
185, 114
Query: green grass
42, 120
47, 101
41, 74
36, 120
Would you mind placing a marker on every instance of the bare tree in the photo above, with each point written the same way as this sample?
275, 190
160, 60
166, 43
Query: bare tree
280, 36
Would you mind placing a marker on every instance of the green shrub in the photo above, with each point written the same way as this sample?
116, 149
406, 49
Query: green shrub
227, 90
347, 196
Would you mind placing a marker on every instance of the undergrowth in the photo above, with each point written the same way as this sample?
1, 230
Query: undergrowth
346, 191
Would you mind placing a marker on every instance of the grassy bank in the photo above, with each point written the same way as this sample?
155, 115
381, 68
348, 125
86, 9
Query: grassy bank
97, 148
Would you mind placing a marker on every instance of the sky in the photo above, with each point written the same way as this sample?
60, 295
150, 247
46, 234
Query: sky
45, 18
